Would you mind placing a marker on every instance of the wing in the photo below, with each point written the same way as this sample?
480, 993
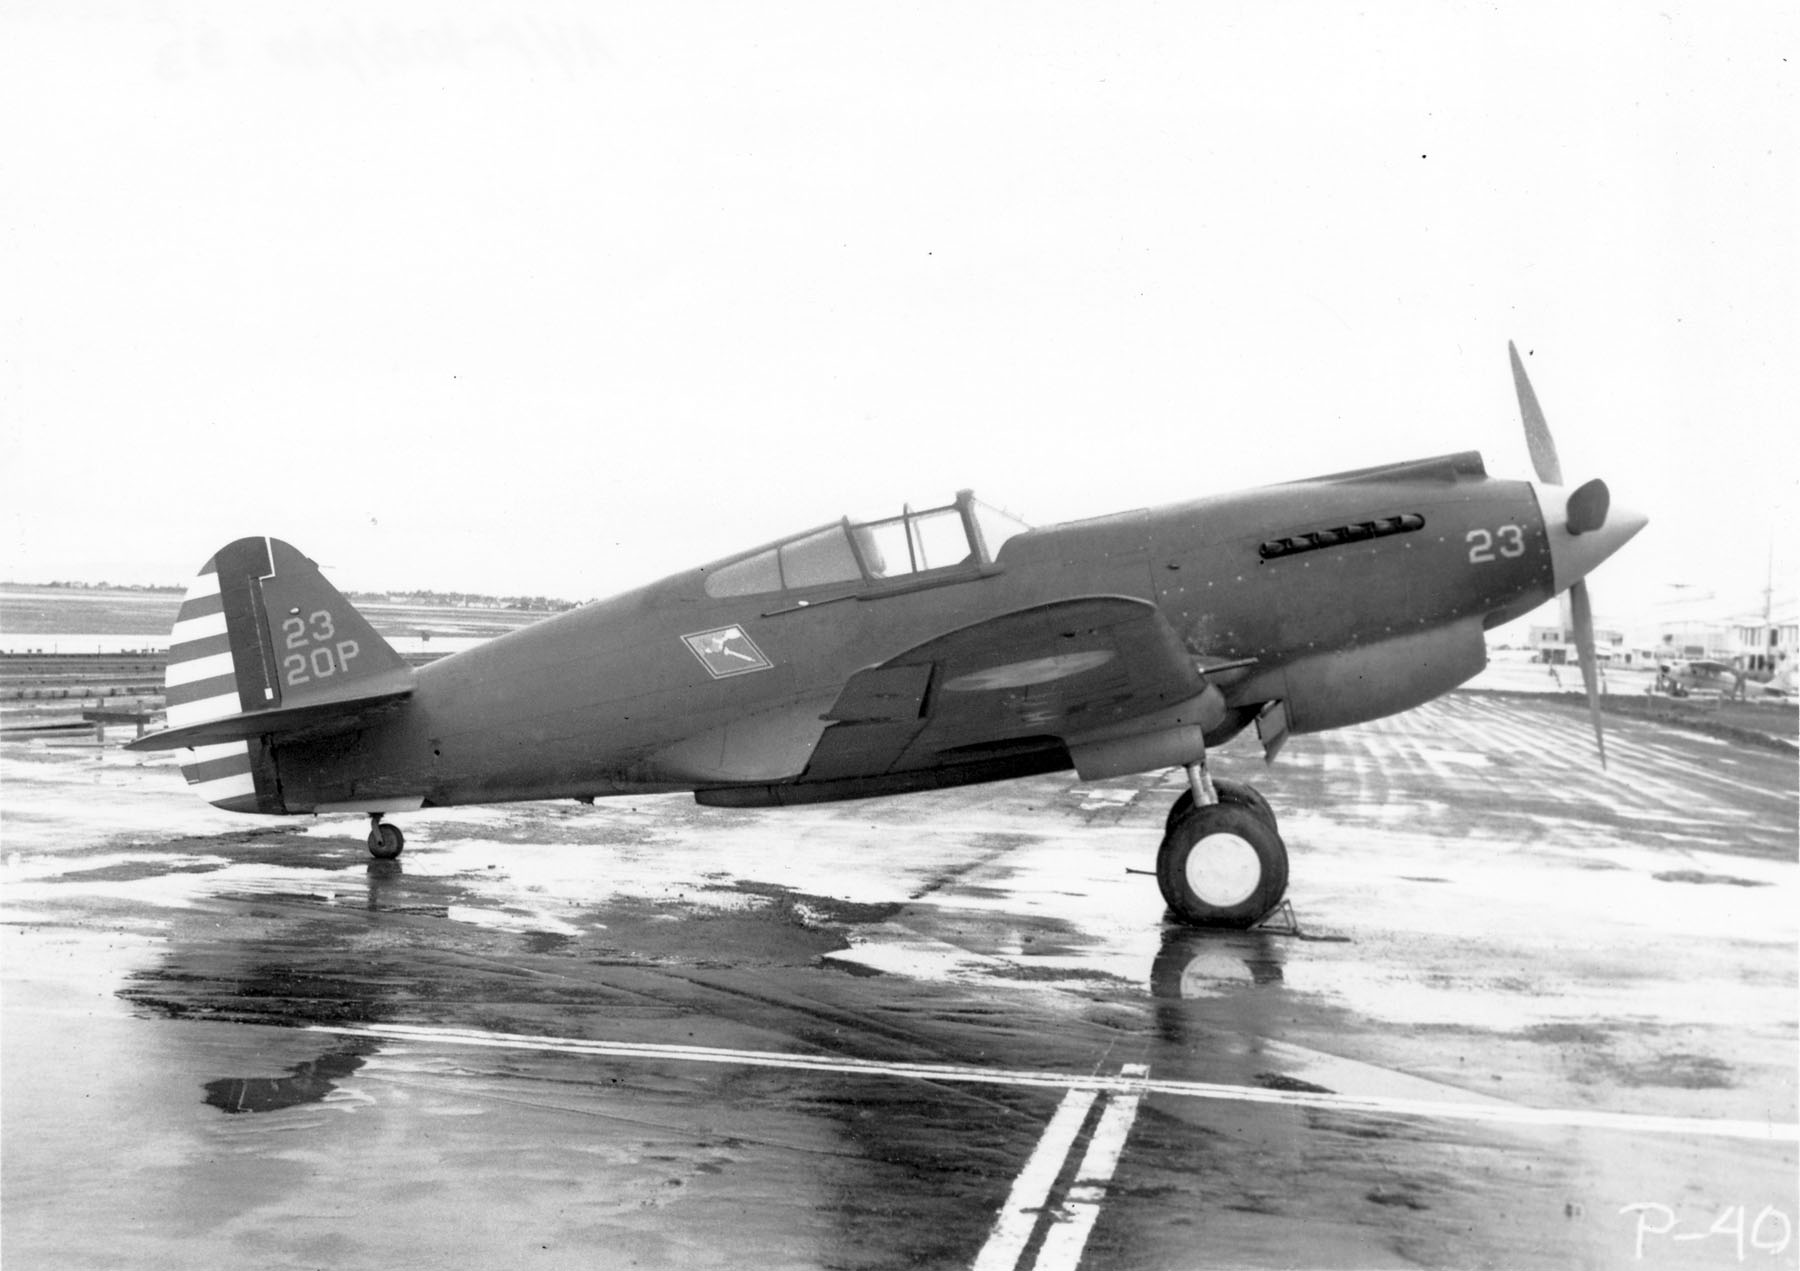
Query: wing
1082, 674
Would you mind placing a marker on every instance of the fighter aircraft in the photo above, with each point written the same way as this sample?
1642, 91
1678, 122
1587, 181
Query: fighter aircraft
934, 648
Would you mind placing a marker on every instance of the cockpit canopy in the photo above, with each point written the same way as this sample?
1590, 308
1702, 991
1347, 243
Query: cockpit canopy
959, 537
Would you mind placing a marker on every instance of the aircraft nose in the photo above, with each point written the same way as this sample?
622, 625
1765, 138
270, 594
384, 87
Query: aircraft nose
1577, 552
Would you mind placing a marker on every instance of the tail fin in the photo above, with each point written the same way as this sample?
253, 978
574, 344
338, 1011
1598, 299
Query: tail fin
263, 645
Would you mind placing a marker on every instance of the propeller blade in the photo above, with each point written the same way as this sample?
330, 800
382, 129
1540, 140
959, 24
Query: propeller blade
1537, 431
1582, 616
1588, 506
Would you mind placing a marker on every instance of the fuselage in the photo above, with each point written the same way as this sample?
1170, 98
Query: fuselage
1343, 598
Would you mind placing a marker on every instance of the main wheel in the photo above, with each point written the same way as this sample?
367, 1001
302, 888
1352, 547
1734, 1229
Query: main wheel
386, 842
1234, 792
1222, 866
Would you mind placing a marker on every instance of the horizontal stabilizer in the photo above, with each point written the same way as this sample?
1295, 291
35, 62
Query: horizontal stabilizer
317, 718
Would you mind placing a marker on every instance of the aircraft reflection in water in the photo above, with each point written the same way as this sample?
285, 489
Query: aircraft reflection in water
936, 648
307, 1082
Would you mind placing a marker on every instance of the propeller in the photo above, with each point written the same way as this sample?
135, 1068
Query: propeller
1585, 513
1537, 430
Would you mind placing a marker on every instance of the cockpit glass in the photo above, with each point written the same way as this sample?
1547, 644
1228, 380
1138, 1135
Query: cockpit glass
996, 526
748, 577
914, 542
824, 557
967, 532
940, 539
885, 549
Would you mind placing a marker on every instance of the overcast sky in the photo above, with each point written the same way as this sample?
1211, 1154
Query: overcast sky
561, 298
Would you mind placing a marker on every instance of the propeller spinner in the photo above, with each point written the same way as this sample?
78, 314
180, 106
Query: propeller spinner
1584, 529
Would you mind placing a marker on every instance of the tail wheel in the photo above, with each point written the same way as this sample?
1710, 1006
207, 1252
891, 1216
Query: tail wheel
1237, 793
1222, 866
386, 842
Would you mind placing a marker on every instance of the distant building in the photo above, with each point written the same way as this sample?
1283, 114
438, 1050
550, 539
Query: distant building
1687, 640
1556, 645
1760, 646
1765, 646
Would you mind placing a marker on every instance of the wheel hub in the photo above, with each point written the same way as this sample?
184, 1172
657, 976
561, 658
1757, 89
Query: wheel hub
1223, 869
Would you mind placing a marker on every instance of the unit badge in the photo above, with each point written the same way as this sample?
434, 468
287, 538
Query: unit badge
727, 651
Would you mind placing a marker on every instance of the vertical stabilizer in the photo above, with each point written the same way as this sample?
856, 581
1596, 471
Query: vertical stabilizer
261, 630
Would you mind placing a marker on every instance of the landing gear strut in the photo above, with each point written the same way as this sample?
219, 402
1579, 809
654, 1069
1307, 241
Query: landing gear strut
1234, 792
1222, 862
385, 841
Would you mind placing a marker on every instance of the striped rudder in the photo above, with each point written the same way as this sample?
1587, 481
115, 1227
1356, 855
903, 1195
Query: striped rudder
202, 683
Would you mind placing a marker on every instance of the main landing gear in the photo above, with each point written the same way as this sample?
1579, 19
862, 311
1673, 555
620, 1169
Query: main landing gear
385, 841
1222, 862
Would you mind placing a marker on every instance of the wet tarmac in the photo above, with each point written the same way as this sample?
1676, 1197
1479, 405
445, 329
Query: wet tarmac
1533, 1015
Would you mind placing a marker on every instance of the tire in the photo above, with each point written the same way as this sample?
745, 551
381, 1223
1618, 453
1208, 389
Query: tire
1236, 792
1222, 866
386, 842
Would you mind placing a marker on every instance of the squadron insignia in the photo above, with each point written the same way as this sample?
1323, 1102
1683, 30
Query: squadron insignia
727, 651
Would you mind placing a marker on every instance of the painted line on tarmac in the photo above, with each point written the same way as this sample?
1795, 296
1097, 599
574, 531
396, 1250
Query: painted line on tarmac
1028, 1207
1066, 1239
1498, 1113
1030, 1192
